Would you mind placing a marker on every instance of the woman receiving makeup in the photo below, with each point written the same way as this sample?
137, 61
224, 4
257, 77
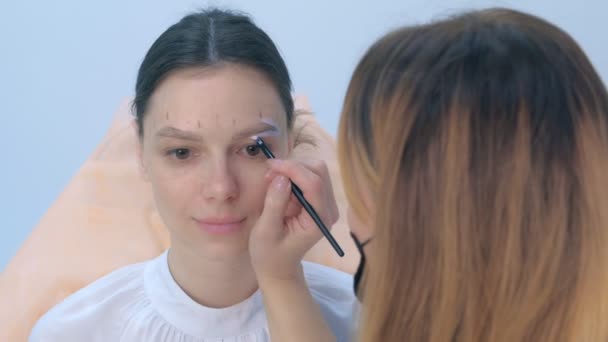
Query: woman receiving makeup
206, 86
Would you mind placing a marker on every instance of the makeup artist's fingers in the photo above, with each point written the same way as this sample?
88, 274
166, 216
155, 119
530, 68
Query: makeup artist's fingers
312, 176
317, 166
270, 175
300, 174
320, 168
276, 246
293, 208
275, 206
312, 169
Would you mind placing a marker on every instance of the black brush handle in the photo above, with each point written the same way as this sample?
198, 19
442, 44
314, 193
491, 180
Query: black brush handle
300, 196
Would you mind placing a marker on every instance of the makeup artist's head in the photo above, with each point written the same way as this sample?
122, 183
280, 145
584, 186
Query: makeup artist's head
208, 84
474, 153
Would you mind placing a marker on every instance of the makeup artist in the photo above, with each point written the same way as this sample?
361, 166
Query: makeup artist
474, 153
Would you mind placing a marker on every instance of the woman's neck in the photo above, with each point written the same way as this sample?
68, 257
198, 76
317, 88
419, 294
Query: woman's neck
211, 282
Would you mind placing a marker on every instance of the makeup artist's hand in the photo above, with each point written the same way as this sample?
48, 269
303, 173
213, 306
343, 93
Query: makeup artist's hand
283, 234
285, 231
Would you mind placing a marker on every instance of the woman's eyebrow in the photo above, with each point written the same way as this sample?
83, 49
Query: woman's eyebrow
176, 133
262, 127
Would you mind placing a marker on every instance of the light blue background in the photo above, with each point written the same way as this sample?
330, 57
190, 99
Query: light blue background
66, 65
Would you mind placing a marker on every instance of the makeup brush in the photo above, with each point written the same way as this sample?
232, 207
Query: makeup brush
300, 196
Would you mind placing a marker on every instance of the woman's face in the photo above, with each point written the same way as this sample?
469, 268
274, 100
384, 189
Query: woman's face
206, 173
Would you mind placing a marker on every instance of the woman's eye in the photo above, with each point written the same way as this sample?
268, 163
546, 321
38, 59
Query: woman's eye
252, 150
181, 153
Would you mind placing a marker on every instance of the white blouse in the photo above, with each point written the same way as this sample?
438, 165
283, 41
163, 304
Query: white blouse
142, 302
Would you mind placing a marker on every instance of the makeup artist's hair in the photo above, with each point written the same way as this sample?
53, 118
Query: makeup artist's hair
211, 38
483, 140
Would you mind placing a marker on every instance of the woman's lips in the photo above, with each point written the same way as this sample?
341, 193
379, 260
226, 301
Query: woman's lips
220, 226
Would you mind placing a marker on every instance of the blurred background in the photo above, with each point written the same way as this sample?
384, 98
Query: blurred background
66, 65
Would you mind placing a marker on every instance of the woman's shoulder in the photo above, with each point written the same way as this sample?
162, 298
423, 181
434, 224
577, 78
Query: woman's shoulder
95, 308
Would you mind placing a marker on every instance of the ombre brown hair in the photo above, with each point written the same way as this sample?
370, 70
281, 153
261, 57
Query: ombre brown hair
482, 143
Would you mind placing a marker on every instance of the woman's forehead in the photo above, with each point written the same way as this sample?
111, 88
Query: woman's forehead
229, 97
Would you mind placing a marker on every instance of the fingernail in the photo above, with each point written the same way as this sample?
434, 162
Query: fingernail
281, 183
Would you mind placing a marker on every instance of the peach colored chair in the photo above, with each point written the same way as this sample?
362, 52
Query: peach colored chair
105, 219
